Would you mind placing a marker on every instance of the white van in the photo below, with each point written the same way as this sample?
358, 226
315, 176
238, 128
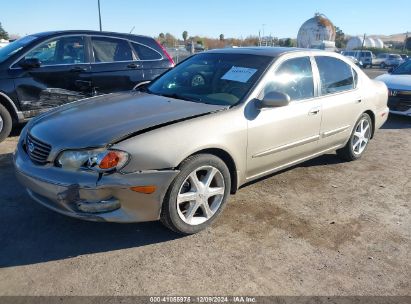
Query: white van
365, 57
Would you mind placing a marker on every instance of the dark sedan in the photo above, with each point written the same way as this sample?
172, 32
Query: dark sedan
44, 70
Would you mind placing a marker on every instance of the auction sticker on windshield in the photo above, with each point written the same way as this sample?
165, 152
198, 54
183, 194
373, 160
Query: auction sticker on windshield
239, 74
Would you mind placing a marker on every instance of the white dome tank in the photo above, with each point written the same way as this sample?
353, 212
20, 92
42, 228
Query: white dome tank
369, 42
354, 43
315, 31
378, 43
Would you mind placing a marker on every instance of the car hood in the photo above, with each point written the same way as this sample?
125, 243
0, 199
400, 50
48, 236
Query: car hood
396, 82
99, 121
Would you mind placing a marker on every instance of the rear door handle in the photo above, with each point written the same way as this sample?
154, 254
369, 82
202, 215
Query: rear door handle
133, 66
314, 111
77, 69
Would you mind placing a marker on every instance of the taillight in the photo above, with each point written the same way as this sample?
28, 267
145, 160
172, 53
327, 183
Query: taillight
167, 54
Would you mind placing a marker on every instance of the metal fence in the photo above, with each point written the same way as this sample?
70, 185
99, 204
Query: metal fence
178, 54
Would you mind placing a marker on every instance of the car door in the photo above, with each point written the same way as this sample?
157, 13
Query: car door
154, 64
115, 66
340, 100
62, 76
283, 135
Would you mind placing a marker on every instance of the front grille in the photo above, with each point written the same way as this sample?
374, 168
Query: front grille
37, 150
400, 103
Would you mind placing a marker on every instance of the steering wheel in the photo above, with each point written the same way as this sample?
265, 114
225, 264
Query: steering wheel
197, 80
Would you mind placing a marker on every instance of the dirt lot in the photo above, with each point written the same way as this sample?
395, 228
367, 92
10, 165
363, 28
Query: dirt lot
322, 228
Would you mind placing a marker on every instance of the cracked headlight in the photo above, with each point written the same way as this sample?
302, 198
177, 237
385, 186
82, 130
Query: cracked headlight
98, 160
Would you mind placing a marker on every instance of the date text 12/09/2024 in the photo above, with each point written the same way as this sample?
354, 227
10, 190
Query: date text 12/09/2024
203, 299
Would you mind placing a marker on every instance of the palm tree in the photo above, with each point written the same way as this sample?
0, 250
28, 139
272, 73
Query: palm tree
185, 35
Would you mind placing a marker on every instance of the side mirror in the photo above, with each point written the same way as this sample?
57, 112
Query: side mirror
141, 85
274, 100
30, 63
390, 70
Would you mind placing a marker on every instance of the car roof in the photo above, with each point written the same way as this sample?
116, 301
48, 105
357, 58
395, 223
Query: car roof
84, 32
262, 51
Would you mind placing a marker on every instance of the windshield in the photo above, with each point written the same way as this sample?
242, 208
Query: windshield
14, 47
212, 78
403, 69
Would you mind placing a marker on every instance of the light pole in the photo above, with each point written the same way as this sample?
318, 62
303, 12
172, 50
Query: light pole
99, 15
263, 38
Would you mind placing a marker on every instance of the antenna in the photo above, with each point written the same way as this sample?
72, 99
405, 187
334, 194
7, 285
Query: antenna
132, 29
99, 15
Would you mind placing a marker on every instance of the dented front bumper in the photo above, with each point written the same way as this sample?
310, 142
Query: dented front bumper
82, 194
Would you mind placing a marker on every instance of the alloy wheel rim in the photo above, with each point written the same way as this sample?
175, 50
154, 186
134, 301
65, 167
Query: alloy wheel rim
361, 136
200, 195
1, 123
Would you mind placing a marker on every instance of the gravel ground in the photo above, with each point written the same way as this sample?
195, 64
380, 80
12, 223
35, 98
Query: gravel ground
324, 227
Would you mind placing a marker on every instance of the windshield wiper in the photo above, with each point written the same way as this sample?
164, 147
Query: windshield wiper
177, 96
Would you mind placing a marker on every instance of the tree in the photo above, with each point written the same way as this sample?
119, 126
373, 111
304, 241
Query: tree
185, 35
340, 41
221, 37
161, 36
169, 40
288, 42
3, 33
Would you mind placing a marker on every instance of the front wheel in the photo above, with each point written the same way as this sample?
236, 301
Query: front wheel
197, 195
359, 139
6, 123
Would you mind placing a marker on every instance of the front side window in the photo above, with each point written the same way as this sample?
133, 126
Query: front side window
403, 69
212, 78
294, 77
64, 50
335, 75
108, 49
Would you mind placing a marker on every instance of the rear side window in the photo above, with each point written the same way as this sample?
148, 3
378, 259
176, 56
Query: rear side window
335, 75
294, 77
107, 49
146, 53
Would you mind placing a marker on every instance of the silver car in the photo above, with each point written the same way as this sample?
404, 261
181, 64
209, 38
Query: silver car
387, 60
175, 149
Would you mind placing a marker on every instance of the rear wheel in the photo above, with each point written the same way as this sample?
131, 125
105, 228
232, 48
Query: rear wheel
359, 139
383, 65
197, 195
6, 123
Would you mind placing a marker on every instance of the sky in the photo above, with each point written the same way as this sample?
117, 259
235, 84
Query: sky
210, 18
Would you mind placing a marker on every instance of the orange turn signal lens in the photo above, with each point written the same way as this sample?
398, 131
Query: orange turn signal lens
110, 160
144, 189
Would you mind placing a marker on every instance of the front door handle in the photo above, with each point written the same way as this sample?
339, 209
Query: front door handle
314, 111
133, 66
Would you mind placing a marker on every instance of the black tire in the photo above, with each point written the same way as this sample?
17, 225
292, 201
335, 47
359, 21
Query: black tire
169, 212
347, 153
383, 66
6, 123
